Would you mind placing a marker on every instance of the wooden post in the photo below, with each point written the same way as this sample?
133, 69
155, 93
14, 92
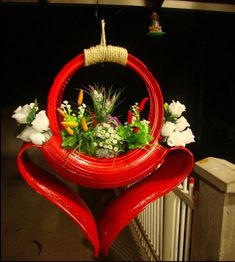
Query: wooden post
213, 232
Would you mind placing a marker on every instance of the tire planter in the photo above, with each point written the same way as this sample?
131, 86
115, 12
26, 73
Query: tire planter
104, 173
152, 172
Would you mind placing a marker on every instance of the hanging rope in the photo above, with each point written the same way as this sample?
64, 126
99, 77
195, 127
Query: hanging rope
102, 53
103, 38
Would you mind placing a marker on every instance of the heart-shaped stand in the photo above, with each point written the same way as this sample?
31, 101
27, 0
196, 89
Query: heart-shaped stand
176, 165
152, 172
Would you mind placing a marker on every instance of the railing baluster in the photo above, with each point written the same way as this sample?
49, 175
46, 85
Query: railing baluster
188, 222
177, 221
145, 218
182, 230
158, 226
155, 225
148, 222
151, 214
161, 227
166, 225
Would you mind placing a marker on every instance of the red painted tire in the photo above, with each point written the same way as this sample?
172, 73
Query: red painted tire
104, 173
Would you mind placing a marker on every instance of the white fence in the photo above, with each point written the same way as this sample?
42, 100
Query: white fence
164, 227
193, 223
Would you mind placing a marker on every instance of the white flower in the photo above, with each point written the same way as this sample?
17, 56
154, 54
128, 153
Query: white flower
144, 121
111, 130
41, 122
167, 128
29, 134
25, 134
37, 138
175, 139
106, 125
98, 127
188, 136
21, 113
176, 108
181, 123
38, 130
102, 132
114, 141
108, 141
178, 138
47, 134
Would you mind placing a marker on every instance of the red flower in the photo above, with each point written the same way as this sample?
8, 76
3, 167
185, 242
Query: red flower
129, 117
142, 103
136, 129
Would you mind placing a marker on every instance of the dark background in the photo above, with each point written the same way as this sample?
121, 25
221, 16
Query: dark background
193, 62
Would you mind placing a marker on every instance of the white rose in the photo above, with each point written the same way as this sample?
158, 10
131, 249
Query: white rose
29, 134
176, 108
37, 138
47, 134
176, 138
26, 133
181, 123
41, 122
167, 128
21, 113
188, 136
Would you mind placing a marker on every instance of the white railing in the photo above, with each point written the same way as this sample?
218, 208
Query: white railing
164, 226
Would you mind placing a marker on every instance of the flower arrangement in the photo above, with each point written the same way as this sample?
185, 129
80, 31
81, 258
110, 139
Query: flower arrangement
96, 132
35, 124
175, 130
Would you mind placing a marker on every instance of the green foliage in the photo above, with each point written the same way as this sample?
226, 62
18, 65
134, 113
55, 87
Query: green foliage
32, 113
69, 141
105, 136
167, 115
135, 139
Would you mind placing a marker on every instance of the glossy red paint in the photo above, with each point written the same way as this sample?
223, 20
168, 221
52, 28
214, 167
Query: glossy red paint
175, 168
59, 194
137, 166
104, 173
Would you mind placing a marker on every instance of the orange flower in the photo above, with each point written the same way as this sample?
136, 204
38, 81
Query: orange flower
80, 97
84, 124
70, 123
62, 113
69, 130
